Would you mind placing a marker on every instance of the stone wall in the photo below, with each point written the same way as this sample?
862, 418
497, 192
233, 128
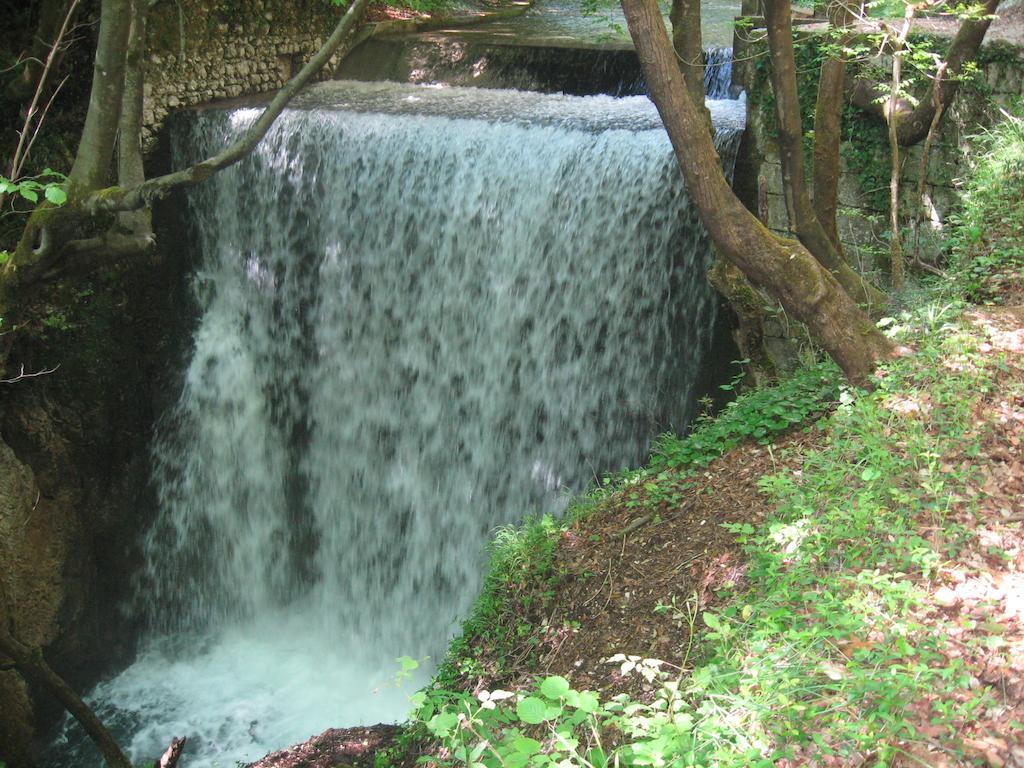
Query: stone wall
208, 51
863, 217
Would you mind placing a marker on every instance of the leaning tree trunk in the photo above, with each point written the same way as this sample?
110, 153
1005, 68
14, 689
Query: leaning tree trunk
782, 267
802, 218
31, 664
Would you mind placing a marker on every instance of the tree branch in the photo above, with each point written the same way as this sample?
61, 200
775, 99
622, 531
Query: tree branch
142, 195
914, 122
173, 754
802, 219
828, 117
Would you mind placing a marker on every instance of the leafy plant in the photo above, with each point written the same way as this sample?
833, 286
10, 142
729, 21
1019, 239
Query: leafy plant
759, 415
987, 247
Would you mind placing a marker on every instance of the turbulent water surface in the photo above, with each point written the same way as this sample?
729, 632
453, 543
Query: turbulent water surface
423, 312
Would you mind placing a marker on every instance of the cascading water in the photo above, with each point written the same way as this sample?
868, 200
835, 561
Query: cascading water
424, 312
487, 62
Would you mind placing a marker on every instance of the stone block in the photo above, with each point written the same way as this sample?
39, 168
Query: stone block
778, 218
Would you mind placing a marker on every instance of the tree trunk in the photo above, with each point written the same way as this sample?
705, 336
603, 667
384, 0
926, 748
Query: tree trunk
748, 307
802, 219
897, 49
689, 47
782, 267
130, 170
96, 147
828, 117
922, 170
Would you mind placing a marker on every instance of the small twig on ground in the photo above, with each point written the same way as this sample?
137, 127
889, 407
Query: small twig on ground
638, 523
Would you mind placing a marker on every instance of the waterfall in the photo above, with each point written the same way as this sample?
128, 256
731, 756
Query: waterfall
491, 63
718, 73
423, 312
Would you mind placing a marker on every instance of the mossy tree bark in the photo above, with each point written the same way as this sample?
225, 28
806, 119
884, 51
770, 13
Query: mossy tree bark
782, 267
828, 115
689, 47
802, 218
54, 16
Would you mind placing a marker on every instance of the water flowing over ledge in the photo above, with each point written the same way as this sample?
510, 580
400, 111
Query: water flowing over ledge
424, 312
490, 62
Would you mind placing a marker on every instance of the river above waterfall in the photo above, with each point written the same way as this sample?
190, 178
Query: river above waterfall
423, 312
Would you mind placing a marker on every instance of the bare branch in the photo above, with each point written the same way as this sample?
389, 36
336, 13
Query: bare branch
22, 375
42, 119
21, 151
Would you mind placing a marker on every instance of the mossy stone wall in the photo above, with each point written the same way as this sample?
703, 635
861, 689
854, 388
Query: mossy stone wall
863, 218
211, 51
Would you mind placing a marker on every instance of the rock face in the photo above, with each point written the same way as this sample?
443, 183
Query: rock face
334, 748
74, 485
33, 545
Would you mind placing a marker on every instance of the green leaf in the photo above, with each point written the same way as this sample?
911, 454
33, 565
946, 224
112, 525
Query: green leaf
869, 474
442, 724
554, 687
408, 663
711, 620
29, 195
531, 710
588, 701
526, 745
56, 195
